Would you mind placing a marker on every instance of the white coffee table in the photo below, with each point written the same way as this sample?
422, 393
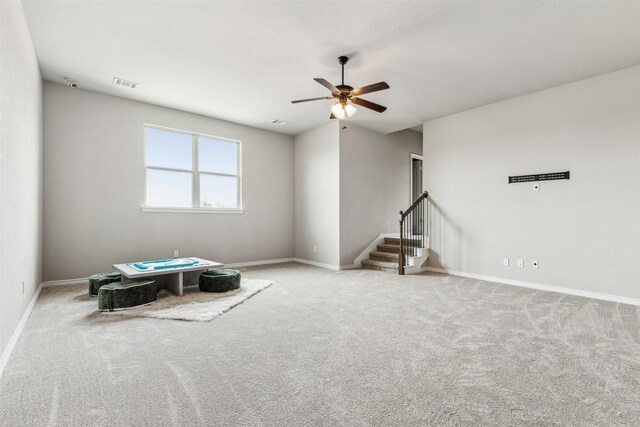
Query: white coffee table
173, 279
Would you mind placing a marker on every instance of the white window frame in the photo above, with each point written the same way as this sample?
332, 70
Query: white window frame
195, 174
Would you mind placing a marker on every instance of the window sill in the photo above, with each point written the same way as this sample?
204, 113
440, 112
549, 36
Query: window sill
191, 210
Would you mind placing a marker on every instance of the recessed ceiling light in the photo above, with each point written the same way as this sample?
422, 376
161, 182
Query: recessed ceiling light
126, 83
70, 82
278, 122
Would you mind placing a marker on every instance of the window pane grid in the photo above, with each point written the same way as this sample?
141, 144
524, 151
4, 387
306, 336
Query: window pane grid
218, 191
167, 149
169, 169
218, 156
169, 188
213, 173
218, 174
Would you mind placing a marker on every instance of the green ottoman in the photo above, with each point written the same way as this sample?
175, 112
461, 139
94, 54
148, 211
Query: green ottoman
219, 280
127, 294
99, 280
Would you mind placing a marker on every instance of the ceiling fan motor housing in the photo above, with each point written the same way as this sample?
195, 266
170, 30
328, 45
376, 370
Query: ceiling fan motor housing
344, 94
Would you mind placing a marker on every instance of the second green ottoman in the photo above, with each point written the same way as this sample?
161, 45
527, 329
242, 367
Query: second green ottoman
127, 294
219, 280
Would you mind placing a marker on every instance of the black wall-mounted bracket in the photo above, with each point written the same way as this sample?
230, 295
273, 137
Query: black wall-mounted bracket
539, 177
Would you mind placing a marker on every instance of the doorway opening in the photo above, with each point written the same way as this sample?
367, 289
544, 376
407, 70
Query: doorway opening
416, 190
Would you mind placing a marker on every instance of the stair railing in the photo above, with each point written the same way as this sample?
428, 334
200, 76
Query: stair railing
413, 233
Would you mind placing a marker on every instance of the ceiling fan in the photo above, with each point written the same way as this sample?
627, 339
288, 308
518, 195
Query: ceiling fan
347, 95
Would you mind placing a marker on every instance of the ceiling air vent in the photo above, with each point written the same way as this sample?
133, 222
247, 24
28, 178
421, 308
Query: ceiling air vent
125, 83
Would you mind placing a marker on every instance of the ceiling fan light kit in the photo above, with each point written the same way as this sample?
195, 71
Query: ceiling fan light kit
347, 96
343, 110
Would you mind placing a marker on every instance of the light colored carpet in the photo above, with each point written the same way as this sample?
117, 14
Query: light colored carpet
195, 305
319, 347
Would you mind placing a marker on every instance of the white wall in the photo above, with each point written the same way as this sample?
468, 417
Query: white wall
317, 194
20, 169
585, 231
375, 184
94, 189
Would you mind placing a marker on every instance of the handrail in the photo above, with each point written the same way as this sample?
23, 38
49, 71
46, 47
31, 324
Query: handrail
415, 224
420, 198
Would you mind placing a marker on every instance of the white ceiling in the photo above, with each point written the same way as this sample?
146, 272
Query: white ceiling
244, 61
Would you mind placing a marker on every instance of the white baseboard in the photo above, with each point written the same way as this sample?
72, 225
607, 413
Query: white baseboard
6, 354
300, 260
263, 262
549, 288
80, 281
317, 264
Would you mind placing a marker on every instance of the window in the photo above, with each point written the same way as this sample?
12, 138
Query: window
189, 171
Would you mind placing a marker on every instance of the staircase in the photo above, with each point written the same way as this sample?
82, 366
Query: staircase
386, 255
407, 253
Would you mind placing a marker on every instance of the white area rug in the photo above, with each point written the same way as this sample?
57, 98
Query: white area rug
198, 306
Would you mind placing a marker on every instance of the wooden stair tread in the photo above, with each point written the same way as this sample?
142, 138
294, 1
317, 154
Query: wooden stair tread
386, 247
380, 265
396, 240
384, 256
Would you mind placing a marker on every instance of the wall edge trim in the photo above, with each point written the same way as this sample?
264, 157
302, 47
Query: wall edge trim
317, 264
79, 281
6, 354
260, 262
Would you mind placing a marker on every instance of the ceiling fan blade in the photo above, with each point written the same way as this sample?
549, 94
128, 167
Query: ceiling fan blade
332, 116
328, 85
368, 104
311, 99
370, 88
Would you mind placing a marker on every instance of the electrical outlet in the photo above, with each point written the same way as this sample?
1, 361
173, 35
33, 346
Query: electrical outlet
315, 249
535, 263
175, 253
521, 263
536, 186
505, 262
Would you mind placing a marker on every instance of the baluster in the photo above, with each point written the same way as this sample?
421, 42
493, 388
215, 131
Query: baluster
422, 222
408, 238
413, 227
404, 240
410, 234
406, 235
400, 255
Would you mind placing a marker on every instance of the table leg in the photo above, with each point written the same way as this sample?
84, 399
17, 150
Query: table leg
191, 278
175, 284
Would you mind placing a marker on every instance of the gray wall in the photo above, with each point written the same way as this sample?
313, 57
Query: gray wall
350, 184
375, 181
317, 194
586, 231
94, 189
20, 169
